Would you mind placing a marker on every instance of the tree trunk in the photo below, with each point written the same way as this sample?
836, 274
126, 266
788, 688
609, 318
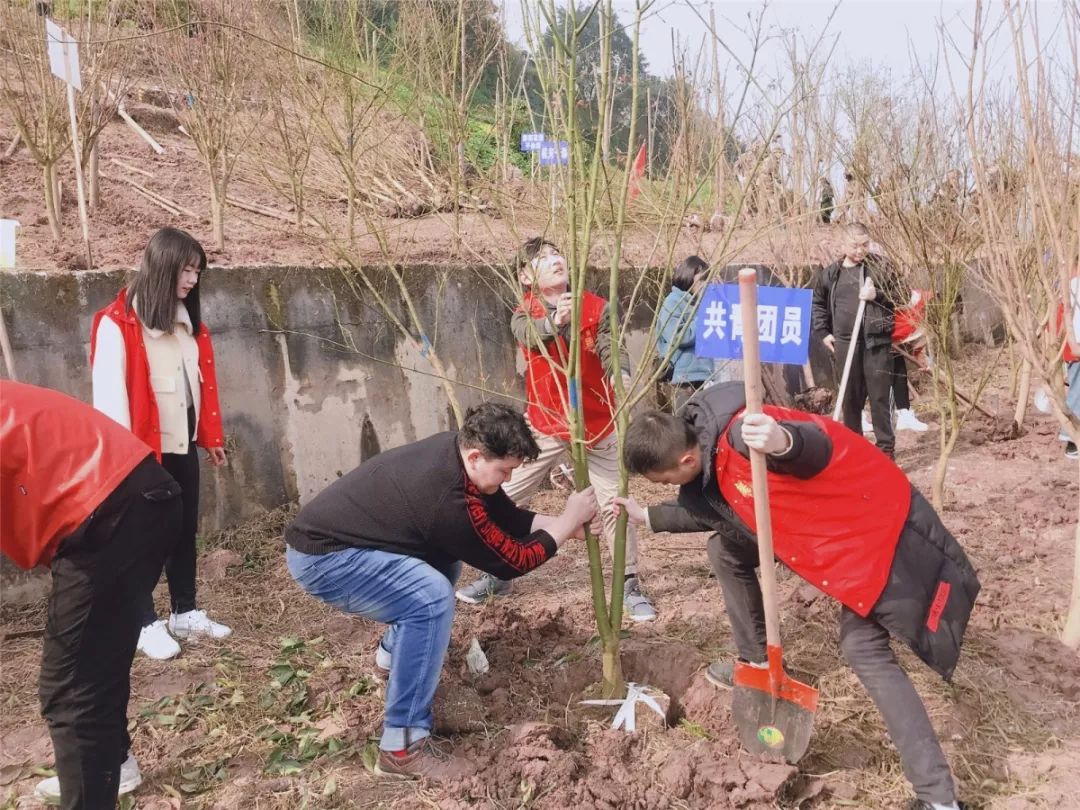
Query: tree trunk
1070, 637
52, 200
1023, 395
94, 193
612, 684
950, 435
217, 214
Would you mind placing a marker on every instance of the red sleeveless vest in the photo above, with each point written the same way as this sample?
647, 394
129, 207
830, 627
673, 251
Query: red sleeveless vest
837, 530
545, 382
145, 422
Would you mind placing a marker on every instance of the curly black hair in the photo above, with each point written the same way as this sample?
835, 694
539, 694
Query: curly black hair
498, 431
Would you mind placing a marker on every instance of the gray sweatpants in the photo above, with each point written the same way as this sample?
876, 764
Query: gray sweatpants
865, 643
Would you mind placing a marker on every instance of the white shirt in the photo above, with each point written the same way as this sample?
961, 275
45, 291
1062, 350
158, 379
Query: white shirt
173, 358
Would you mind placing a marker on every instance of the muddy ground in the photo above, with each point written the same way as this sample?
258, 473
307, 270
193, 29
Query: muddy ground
282, 715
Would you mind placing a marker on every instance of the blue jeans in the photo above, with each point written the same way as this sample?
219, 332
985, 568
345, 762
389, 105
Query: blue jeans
415, 599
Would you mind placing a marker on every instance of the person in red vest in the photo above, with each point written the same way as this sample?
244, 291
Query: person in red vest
846, 519
1071, 359
86, 498
541, 327
153, 371
908, 335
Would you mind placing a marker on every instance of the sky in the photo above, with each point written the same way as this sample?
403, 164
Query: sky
887, 34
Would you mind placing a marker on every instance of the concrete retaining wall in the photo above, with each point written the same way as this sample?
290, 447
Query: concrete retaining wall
313, 375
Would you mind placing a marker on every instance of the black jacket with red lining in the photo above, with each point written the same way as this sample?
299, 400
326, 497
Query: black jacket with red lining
417, 501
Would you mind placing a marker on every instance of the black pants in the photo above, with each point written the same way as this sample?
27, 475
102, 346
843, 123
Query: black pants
901, 395
101, 576
871, 376
865, 643
180, 566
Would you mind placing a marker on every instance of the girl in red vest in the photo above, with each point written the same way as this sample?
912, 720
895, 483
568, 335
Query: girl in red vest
153, 372
845, 519
541, 326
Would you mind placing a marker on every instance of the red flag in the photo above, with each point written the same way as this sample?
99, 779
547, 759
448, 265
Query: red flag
637, 171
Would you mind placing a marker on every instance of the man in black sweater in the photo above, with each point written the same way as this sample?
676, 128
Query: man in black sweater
387, 542
861, 274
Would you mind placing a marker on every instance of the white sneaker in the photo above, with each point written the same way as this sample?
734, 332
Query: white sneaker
383, 658
907, 420
196, 623
48, 790
867, 425
155, 642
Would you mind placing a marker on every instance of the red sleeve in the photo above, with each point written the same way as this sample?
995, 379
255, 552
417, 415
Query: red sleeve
473, 528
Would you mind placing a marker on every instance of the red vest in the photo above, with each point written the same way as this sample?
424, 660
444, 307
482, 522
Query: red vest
1067, 354
59, 460
837, 530
908, 321
145, 422
545, 382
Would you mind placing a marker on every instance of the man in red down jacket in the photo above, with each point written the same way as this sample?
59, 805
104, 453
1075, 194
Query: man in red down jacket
846, 519
82, 495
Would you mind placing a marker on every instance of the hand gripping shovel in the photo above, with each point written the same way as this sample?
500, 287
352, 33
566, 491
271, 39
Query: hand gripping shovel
773, 712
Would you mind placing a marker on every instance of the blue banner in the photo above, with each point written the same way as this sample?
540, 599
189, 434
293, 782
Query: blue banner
783, 324
554, 154
530, 141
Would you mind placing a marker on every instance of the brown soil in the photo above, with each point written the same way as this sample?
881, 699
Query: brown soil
282, 715
125, 219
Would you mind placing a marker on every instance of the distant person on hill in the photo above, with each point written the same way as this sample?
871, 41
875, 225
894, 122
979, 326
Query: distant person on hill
687, 373
153, 372
541, 326
1071, 359
860, 275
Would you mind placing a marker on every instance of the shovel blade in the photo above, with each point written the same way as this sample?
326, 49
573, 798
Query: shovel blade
773, 712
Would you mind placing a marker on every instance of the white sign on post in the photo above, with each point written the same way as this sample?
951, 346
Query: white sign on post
7, 242
63, 54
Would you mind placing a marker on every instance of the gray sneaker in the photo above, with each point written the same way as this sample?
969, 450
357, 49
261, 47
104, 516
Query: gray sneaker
722, 673
636, 605
484, 588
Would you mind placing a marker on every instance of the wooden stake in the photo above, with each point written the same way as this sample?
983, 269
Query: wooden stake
13, 146
94, 184
131, 168
169, 205
79, 184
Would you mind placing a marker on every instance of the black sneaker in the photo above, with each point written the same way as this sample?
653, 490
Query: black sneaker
1071, 451
919, 804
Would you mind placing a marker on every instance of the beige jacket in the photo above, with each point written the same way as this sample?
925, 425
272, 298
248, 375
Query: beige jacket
174, 375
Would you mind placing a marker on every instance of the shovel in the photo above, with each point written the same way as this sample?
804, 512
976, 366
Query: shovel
774, 713
856, 330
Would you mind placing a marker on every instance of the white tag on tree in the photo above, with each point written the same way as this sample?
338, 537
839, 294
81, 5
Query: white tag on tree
63, 54
7, 242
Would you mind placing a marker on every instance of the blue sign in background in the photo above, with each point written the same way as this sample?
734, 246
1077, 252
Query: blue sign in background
554, 154
530, 141
783, 324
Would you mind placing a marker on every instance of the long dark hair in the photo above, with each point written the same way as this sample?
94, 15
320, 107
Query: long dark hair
168, 252
686, 271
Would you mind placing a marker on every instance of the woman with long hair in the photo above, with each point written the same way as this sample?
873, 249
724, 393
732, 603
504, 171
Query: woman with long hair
152, 365
685, 373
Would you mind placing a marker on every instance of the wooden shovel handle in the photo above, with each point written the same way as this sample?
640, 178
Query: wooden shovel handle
758, 472
856, 330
